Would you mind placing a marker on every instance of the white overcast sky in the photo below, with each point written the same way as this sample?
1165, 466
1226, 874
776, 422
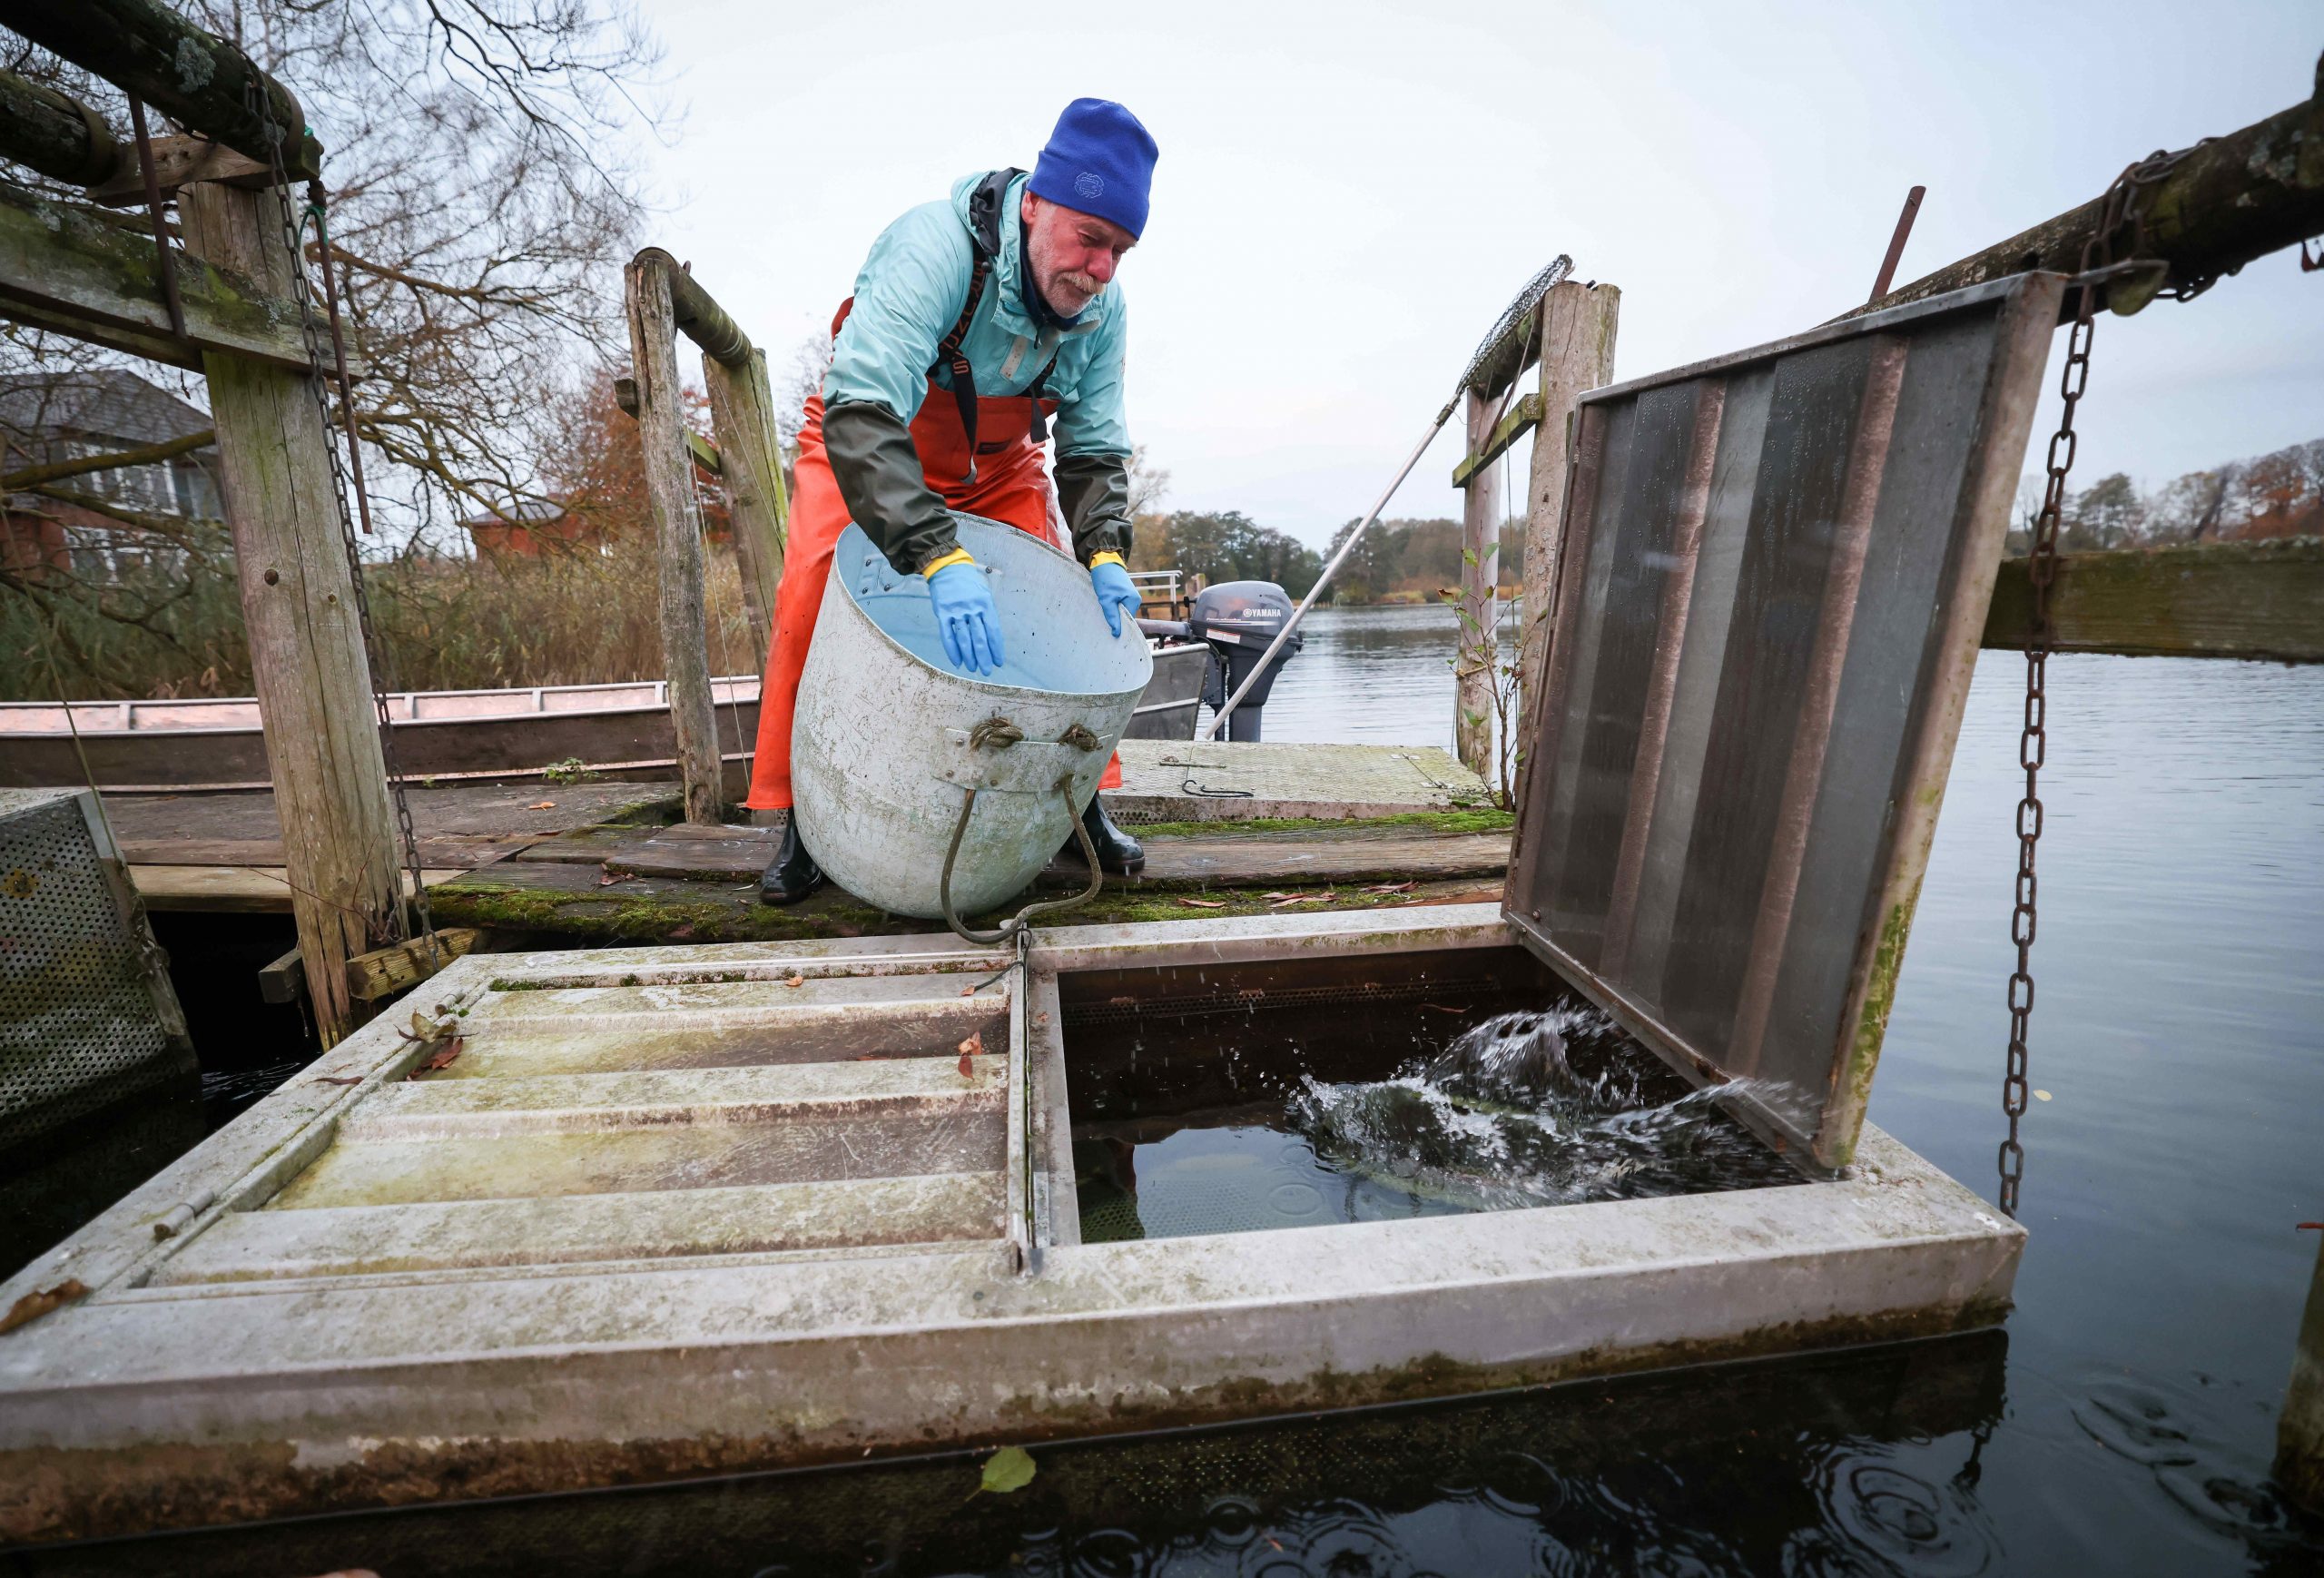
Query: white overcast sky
1348, 193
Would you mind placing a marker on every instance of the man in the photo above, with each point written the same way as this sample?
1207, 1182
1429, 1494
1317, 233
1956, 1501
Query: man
973, 322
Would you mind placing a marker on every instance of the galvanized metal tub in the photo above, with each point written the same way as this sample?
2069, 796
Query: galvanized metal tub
888, 738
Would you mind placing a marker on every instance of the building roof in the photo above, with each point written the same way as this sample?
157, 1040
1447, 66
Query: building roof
108, 402
524, 512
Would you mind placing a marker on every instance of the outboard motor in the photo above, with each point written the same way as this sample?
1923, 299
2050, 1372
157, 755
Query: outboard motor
1239, 619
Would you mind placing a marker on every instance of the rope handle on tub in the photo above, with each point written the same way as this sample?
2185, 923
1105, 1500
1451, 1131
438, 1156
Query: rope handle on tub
1020, 921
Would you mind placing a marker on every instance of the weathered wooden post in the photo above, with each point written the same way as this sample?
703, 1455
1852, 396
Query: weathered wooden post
2299, 1436
1578, 326
742, 414
1473, 665
677, 520
308, 662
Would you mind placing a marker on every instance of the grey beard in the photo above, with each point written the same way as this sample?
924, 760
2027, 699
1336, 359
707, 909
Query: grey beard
1080, 284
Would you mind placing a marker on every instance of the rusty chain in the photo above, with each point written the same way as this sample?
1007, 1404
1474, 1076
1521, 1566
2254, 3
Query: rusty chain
319, 378
2099, 264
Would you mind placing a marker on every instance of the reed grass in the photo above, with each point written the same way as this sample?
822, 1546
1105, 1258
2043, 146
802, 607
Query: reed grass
441, 624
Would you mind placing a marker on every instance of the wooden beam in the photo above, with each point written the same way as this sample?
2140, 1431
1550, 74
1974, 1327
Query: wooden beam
308, 662
80, 466
701, 318
194, 77
53, 132
677, 520
1519, 421
93, 275
387, 971
1578, 327
284, 980
2233, 599
741, 410
231, 890
1475, 655
2223, 204
699, 449
178, 162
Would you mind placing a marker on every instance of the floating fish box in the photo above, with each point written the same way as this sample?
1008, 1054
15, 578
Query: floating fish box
595, 1217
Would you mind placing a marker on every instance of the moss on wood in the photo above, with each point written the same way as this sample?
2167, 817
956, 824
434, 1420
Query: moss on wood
1476, 820
699, 913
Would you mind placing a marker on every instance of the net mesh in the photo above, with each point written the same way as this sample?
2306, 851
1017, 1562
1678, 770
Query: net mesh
78, 1028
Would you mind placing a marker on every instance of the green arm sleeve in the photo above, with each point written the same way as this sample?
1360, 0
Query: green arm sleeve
1093, 490
879, 476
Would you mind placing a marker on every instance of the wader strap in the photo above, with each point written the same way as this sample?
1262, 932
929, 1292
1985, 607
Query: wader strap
948, 355
984, 237
1037, 392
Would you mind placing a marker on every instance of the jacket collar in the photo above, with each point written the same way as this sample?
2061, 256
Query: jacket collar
1010, 283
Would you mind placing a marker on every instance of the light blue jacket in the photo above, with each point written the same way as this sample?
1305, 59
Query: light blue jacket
909, 295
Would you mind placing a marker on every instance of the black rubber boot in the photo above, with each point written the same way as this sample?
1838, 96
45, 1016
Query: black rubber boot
1117, 852
793, 874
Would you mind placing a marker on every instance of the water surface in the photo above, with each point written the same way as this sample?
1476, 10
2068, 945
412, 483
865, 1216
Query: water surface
2122, 1422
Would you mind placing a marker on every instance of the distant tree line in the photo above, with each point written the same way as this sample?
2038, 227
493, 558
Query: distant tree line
1397, 561
2275, 495
1225, 545
1415, 561
1410, 561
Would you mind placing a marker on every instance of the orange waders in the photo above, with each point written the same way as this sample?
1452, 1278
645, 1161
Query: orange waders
1009, 485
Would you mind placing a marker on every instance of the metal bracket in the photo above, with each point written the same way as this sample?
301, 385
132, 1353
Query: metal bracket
997, 763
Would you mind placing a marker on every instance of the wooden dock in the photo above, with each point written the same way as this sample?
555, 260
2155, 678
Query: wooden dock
1229, 829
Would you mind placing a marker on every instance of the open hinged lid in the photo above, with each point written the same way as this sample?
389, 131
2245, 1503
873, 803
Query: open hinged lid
1773, 573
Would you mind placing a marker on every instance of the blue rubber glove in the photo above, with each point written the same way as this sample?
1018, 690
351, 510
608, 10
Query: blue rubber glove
965, 617
1115, 593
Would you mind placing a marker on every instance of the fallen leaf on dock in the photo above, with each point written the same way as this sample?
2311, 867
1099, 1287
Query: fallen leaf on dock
968, 992
442, 1058
337, 1080
542, 805
796, 980
609, 878
1205, 903
1304, 898
1390, 888
33, 1306
973, 1047
2041, 1095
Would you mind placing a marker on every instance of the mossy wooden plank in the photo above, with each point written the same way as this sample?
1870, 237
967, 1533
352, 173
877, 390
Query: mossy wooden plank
384, 971
569, 903
1521, 419
2237, 599
88, 273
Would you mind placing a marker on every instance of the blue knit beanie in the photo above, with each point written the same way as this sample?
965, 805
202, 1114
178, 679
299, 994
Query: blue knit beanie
1099, 160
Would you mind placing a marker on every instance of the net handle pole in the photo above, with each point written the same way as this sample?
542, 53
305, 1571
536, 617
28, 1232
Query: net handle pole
1325, 579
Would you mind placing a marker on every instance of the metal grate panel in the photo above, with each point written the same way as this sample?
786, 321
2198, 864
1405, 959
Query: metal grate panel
80, 1024
1130, 1009
1774, 569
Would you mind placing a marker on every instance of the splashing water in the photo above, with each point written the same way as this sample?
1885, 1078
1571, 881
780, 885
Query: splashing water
1555, 1108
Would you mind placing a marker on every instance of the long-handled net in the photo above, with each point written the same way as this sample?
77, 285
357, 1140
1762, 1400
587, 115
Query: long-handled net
1520, 308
